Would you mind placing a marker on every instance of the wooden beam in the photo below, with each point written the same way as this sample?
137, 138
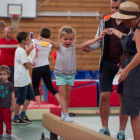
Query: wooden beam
70, 131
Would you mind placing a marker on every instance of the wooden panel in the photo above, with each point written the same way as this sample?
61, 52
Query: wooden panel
74, 4
85, 27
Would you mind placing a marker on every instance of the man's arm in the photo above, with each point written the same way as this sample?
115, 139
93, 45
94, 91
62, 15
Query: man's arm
98, 44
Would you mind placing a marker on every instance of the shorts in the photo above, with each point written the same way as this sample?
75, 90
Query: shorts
106, 76
65, 79
24, 93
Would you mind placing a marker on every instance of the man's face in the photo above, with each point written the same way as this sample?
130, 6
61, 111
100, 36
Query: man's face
8, 33
115, 6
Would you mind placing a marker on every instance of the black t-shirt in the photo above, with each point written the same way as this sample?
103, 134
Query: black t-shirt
114, 49
5, 94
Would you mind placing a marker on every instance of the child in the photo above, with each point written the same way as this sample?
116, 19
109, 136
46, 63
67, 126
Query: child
65, 67
42, 69
7, 100
2, 25
22, 80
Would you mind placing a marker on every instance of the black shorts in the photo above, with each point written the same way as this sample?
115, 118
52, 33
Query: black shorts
107, 72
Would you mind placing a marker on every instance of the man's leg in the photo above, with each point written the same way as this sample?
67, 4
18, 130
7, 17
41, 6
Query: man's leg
106, 75
104, 108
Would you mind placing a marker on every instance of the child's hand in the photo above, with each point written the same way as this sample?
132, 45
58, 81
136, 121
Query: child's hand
12, 108
86, 49
102, 34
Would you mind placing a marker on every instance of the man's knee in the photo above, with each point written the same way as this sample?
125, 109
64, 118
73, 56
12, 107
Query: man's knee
105, 96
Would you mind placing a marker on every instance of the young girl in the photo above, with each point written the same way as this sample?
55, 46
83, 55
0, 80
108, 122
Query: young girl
42, 68
65, 67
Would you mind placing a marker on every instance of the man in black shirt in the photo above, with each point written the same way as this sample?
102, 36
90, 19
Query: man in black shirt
110, 56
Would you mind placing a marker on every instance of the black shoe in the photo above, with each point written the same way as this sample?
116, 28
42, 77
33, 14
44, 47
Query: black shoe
18, 121
25, 119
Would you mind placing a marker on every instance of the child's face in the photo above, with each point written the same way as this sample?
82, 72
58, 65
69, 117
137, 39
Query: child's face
26, 41
67, 40
4, 76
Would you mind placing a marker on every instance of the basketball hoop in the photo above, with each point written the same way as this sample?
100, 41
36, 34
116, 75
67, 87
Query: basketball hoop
15, 19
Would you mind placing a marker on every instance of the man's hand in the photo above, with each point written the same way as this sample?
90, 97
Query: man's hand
86, 49
109, 31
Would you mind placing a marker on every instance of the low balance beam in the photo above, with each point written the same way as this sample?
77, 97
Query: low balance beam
69, 131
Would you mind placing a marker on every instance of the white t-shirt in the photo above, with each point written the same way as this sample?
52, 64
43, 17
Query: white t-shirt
21, 74
42, 56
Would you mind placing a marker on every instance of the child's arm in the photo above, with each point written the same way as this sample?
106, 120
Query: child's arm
12, 108
90, 42
54, 44
27, 65
29, 48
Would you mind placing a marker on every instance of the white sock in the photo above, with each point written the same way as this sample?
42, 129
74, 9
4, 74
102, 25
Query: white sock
67, 117
62, 116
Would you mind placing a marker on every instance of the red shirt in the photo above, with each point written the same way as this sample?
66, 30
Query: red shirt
7, 51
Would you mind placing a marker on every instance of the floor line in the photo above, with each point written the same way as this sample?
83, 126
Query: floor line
13, 136
98, 128
16, 138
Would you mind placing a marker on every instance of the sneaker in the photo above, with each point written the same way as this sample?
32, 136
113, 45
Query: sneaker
19, 121
25, 119
7, 136
121, 135
104, 131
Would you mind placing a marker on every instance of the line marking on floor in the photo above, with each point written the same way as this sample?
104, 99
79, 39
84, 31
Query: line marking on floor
13, 136
16, 138
98, 128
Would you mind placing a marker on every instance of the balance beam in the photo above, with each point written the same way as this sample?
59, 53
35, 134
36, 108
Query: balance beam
69, 131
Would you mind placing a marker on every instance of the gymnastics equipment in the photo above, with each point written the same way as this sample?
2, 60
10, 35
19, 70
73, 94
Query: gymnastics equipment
69, 131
